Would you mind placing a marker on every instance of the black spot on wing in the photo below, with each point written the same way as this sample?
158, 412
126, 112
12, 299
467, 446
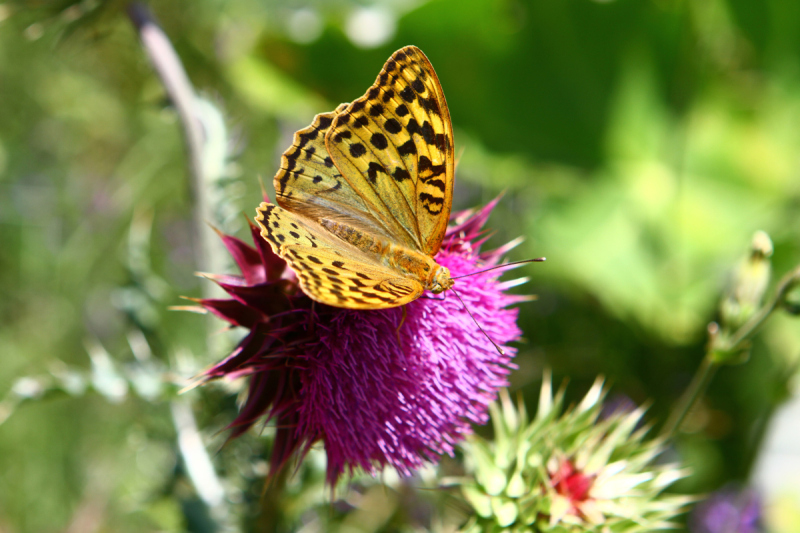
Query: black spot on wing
427, 132
430, 105
401, 110
407, 148
378, 140
441, 141
357, 150
376, 110
373, 170
432, 204
401, 174
392, 126
418, 86
408, 94
307, 137
439, 184
358, 106
342, 135
388, 95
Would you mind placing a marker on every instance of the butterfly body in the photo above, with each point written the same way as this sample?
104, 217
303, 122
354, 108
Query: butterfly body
364, 193
411, 263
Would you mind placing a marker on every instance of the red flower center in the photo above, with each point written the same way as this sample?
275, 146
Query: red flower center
571, 483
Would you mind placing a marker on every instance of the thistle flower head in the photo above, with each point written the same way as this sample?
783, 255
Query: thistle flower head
377, 389
570, 472
728, 510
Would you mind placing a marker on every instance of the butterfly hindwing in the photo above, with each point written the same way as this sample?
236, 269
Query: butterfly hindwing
330, 271
345, 282
394, 145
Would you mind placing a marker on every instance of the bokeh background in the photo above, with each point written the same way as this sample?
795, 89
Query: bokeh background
640, 144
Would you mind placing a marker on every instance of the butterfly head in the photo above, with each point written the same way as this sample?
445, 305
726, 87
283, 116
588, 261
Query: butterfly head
440, 281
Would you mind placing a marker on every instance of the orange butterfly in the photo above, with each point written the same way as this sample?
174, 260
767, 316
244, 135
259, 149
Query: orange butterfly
364, 193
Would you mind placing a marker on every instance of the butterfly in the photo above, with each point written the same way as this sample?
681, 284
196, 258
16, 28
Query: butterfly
364, 193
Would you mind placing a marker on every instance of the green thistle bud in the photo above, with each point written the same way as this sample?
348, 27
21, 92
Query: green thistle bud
749, 283
570, 472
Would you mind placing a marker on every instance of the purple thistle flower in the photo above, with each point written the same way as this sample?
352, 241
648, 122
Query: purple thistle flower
728, 511
374, 394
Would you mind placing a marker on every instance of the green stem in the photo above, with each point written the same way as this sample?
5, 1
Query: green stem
744, 333
696, 390
719, 344
170, 71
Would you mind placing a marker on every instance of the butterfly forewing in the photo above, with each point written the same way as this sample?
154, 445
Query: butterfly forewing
308, 182
331, 272
394, 146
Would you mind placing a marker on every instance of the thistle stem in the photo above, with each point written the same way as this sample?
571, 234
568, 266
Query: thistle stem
727, 345
169, 69
696, 390
787, 283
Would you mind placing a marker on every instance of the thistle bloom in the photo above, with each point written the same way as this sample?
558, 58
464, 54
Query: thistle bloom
728, 511
376, 388
571, 472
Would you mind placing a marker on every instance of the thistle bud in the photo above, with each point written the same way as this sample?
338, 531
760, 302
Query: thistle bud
749, 284
568, 472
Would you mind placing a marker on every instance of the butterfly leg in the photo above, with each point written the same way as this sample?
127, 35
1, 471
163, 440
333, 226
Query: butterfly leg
400, 325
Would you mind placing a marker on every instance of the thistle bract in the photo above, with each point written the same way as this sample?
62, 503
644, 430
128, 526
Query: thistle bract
570, 472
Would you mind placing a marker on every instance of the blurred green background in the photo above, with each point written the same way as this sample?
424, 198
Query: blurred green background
640, 144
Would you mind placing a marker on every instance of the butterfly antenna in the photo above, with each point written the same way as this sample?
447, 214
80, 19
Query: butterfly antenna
498, 348
536, 260
459, 156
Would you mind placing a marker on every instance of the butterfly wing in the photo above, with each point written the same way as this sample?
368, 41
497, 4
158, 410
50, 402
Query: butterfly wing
333, 272
309, 184
394, 146
345, 282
